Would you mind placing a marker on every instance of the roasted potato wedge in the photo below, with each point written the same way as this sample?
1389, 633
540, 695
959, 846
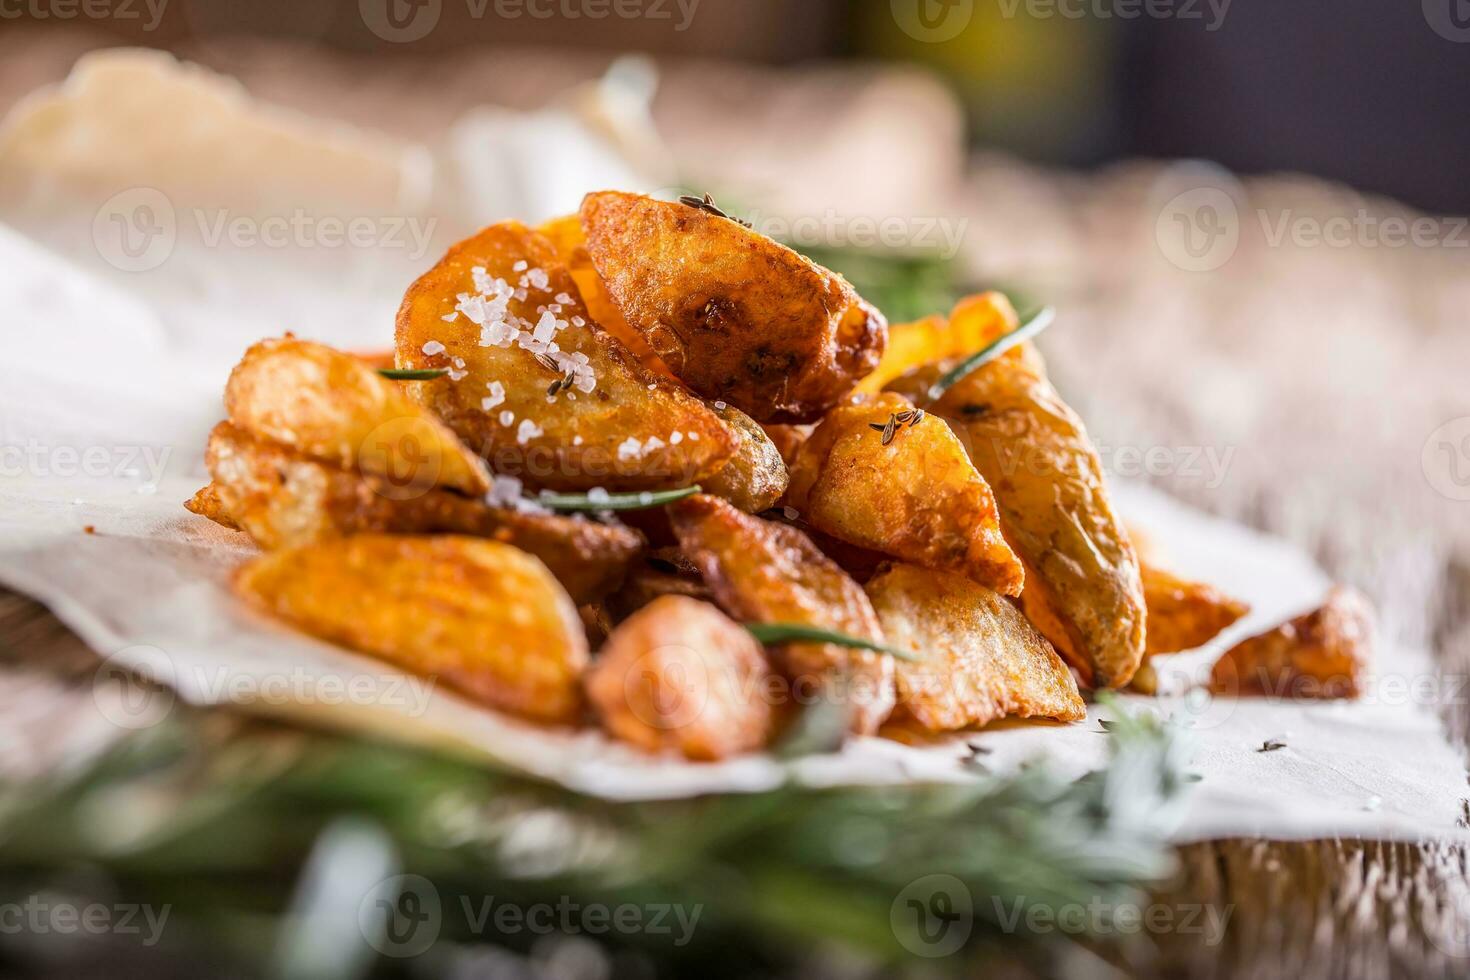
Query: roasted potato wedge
755, 478
879, 475
487, 618
980, 659
284, 500
1083, 587
334, 407
1322, 654
570, 241
679, 675
737, 316
1183, 615
206, 502
974, 322
765, 572
503, 313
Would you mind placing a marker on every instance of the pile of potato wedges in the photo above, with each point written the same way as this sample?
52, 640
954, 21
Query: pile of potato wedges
609, 456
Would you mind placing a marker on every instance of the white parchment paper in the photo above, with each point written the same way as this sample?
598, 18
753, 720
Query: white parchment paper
114, 362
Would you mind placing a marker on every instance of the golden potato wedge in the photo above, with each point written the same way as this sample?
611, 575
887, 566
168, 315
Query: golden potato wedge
1083, 587
764, 572
737, 316
570, 241
206, 502
981, 660
1322, 654
284, 500
974, 322
879, 475
755, 478
1183, 615
504, 315
487, 618
788, 439
679, 676
334, 407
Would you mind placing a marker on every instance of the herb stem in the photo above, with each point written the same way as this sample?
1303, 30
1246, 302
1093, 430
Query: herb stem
1030, 327
614, 501
802, 633
410, 374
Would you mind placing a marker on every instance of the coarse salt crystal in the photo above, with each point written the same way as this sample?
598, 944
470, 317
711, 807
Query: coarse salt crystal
539, 279
507, 418
720, 406
521, 266
675, 438
529, 430
791, 513
564, 298
433, 347
598, 495
630, 448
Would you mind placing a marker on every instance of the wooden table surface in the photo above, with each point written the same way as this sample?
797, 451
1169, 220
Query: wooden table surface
1320, 372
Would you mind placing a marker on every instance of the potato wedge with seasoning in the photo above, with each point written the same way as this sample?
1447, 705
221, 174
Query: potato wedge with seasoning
679, 675
974, 322
736, 316
1182, 614
486, 618
334, 407
1083, 586
206, 502
981, 660
1323, 654
756, 476
285, 500
883, 476
764, 572
537, 387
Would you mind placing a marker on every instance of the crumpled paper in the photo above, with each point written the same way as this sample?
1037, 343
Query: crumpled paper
112, 380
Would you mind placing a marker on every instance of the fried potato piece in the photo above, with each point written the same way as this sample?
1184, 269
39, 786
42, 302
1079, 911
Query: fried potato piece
788, 439
487, 618
1083, 587
974, 322
570, 241
765, 572
334, 407
615, 426
663, 572
680, 675
756, 477
737, 316
917, 498
206, 502
1321, 654
284, 500
981, 660
1183, 615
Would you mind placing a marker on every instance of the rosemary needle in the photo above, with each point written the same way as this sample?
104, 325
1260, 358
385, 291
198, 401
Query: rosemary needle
801, 633
424, 374
614, 501
1029, 328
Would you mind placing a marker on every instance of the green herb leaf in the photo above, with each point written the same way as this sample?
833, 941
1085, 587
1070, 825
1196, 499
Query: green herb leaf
801, 633
1030, 327
425, 374
614, 501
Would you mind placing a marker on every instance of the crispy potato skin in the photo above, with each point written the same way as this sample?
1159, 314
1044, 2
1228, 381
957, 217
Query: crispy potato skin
1321, 654
576, 439
756, 476
974, 322
206, 502
570, 241
1083, 587
336, 408
982, 660
680, 676
487, 618
284, 500
918, 498
765, 572
737, 316
1183, 615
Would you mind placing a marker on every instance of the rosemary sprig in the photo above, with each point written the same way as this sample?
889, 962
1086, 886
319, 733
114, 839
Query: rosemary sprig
614, 501
802, 633
1030, 327
707, 205
413, 374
